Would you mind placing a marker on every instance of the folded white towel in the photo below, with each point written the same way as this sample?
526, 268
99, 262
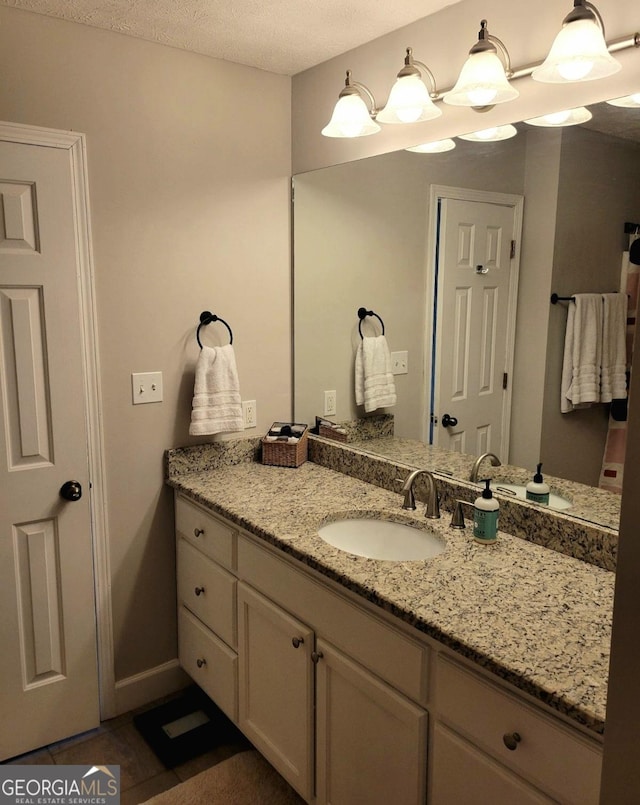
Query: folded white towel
217, 407
374, 381
580, 385
613, 379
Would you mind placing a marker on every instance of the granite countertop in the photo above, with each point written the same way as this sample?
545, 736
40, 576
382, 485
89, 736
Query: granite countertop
535, 617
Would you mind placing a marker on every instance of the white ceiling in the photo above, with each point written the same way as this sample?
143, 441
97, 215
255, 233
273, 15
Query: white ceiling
281, 36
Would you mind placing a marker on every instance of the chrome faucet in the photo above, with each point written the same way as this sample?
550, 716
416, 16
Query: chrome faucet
495, 462
433, 505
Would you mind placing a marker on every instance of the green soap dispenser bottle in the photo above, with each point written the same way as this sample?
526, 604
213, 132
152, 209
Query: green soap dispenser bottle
485, 516
538, 490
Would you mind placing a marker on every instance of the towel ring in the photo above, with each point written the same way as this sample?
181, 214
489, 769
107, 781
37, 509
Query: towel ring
208, 318
362, 314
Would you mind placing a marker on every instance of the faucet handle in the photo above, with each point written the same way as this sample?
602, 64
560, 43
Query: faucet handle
457, 518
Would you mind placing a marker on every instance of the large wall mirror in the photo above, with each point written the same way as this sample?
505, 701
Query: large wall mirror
366, 234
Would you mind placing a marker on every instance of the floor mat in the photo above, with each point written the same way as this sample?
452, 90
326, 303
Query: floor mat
186, 727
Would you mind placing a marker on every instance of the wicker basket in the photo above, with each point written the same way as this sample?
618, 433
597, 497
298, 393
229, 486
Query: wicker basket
283, 454
332, 433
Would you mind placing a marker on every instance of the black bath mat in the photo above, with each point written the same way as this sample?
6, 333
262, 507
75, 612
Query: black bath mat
186, 727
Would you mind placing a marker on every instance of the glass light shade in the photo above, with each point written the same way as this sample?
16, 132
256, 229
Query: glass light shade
568, 117
350, 118
579, 53
436, 147
492, 135
628, 102
482, 82
409, 102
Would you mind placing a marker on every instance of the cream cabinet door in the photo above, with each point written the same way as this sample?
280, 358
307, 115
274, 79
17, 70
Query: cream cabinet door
276, 686
371, 741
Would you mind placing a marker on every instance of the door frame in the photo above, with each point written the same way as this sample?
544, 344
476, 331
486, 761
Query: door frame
75, 144
516, 202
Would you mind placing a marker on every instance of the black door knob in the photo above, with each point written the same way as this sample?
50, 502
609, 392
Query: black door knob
449, 421
71, 490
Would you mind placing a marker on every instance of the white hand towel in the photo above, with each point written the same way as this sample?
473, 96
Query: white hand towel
216, 396
613, 379
580, 385
374, 380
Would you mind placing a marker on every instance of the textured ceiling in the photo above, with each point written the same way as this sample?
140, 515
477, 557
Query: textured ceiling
281, 36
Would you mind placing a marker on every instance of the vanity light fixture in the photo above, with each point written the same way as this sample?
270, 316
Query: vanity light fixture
491, 135
579, 52
627, 102
436, 147
484, 78
352, 117
567, 117
410, 101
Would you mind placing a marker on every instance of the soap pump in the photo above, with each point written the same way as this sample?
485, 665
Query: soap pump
485, 516
537, 489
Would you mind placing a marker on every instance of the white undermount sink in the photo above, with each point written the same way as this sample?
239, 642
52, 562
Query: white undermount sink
382, 539
520, 491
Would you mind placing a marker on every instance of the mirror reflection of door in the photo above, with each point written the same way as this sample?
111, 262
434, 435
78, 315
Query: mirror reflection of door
475, 291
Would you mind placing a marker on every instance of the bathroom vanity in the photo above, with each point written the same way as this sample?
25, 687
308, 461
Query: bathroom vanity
476, 676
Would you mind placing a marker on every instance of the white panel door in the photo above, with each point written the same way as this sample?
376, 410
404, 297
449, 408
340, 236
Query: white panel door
48, 663
474, 318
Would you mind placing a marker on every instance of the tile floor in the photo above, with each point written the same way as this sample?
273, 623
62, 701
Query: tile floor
117, 741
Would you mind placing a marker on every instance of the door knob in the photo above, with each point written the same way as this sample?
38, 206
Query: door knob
71, 490
449, 421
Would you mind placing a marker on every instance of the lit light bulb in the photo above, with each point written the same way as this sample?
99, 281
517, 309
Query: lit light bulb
557, 118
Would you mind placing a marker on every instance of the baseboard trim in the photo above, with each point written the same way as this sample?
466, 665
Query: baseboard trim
147, 686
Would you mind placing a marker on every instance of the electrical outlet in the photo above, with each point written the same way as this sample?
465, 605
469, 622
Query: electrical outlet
330, 403
249, 414
400, 363
146, 387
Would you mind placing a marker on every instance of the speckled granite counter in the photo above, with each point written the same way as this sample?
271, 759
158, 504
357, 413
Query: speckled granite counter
537, 618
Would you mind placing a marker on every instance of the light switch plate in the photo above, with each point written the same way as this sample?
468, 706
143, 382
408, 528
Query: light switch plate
400, 363
146, 387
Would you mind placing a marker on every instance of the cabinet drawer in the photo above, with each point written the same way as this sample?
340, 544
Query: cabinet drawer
209, 662
385, 651
213, 537
461, 775
208, 591
560, 762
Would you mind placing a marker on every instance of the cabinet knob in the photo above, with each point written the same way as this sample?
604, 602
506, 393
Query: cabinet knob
316, 656
198, 531
511, 740
198, 590
200, 662
296, 641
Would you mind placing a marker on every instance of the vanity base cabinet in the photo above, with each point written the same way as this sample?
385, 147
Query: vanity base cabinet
371, 742
335, 695
276, 687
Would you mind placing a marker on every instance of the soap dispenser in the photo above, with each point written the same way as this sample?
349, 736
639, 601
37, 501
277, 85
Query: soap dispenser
485, 516
537, 489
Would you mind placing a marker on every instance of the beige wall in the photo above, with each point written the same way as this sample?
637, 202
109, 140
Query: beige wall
189, 165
